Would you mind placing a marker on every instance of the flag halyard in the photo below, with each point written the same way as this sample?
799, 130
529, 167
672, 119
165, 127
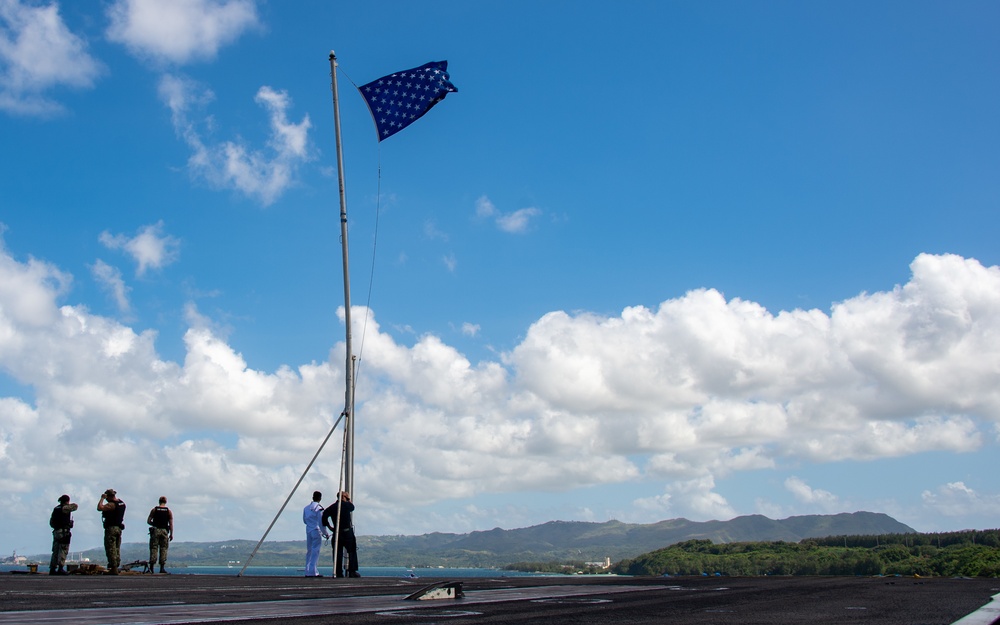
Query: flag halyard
397, 100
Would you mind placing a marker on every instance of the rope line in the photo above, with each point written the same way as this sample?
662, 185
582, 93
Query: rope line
371, 273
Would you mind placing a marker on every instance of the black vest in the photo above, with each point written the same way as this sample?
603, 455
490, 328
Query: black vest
60, 520
116, 517
161, 517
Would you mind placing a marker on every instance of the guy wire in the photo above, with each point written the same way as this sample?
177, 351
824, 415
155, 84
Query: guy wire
371, 273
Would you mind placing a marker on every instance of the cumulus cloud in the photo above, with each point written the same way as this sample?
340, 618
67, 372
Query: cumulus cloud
516, 222
673, 397
694, 497
38, 53
179, 31
872, 376
150, 248
258, 174
955, 499
104, 406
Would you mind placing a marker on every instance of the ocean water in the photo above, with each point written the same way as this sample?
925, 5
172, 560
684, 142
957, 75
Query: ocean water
326, 571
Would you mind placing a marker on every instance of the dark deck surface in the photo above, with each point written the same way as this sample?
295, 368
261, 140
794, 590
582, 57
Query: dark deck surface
107, 600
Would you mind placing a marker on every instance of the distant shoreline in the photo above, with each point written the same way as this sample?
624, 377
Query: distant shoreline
326, 571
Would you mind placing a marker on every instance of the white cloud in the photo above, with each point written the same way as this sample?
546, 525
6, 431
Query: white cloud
179, 31
450, 262
470, 329
28, 292
681, 396
484, 207
657, 506
867, 381
887, 439
822, 499
110, 279
150, 248
702, 500
694, 498
958, 500
231, 164
517, 222
38, 53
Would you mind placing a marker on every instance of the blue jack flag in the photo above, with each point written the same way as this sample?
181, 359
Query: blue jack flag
399, 99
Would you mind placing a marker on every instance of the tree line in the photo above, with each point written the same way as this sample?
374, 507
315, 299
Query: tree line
972, 553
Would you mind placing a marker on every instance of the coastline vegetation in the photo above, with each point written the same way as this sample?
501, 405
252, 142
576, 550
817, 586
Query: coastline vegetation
971, 553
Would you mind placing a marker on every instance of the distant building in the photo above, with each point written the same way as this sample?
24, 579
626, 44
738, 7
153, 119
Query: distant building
604, 565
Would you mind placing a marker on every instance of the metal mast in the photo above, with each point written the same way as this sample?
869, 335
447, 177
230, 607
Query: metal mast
349, 358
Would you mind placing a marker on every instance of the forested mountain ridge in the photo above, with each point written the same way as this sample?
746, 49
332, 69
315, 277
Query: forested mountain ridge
576, 540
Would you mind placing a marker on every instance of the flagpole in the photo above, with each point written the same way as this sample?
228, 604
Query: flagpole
349, 360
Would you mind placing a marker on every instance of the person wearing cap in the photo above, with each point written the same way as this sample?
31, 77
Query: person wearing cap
161, 532
61, 522
312, 516
113, 515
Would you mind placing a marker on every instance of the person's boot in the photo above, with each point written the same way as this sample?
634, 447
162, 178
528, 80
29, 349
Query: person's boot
112, 571
52, 570
162, 570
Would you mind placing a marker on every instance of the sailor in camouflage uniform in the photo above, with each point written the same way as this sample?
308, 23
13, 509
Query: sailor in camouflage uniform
61, 523
161, 532
113, 515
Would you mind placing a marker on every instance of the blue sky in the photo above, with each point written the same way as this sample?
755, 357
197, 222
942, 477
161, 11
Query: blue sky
652, 260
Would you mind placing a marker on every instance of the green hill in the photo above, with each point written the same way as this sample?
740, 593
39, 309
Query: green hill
969, 553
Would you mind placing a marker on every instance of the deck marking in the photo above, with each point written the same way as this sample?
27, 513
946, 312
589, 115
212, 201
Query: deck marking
294, 608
